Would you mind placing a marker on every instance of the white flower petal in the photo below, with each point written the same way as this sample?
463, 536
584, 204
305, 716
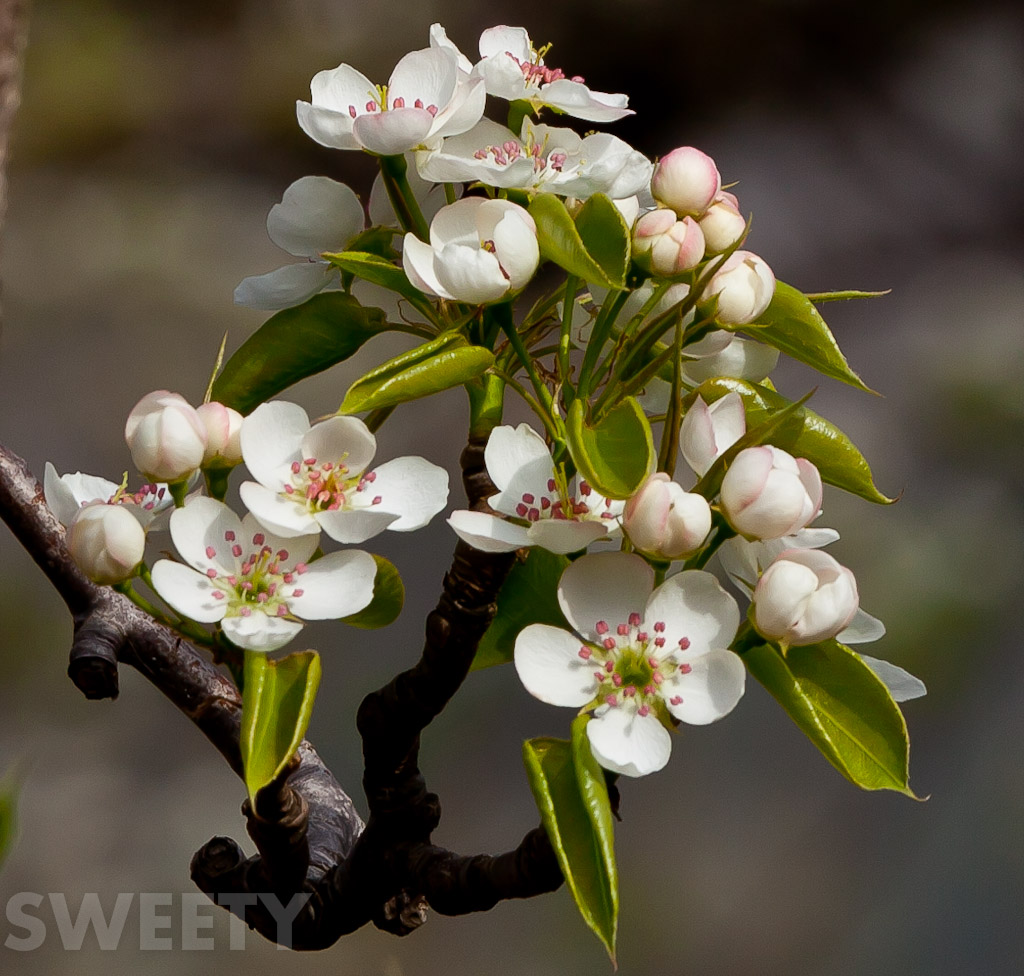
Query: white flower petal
471, 274
339, 584
863, 629
488, 532
606, 586
298, 548
456, 224
326, 126
516, 247
271, 440
201, 526
315, 214
563, 536
291, 285
628, 743
514, 41
276, 512
711, 689
902, 685
549, 665
66, 495
353, 527
340, 439
418, 262
692, 604
577, 100
411, 487
260, 632
340, 88
393, 132
188, 592
429, 74
510, 449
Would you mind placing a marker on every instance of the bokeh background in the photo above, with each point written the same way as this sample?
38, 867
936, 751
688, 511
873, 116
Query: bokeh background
879, 145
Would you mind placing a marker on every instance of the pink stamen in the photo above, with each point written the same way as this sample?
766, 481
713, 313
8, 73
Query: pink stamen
521, 510
218, 595
684, 643
612, 700
398, 103
685, 668
617, 680
609, 643
229, 536
352, 111
585, 653
262, 597
622, 630
212, 573
236, 550
289, 490
298, 592
377, 500
643, 711
630, 692
282, 611
609, 666
602, 627
300, 568
210, 552
659, 641
659, 627
258, 539
634, 619
675, 700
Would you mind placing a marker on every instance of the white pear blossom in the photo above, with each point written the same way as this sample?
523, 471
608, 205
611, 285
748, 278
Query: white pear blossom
106, 542
480, 251
259, 586
741, 289
166, 438
541, 158
512, 69
767, 493
804, 597
664, 245
664, 521
638, 658
67, 494
686, 180
223, 429
315, 215
317, 477
549, 511
427, 97
708, 431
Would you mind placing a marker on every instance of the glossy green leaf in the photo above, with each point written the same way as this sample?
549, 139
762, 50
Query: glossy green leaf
377, 240
444, 362
387, 602
8, 816
793, 325
572, 797
842, 707
804, 434
605, 236
277, 702
561, 243
529, 595
617, 453
293, 344
375, 269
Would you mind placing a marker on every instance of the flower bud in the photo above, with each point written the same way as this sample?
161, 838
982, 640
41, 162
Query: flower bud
223, 426
723, 225
665, 246
744, 286
803, 597
767, 493
664, 521
106, 542
708, 431
686, 181
166, 437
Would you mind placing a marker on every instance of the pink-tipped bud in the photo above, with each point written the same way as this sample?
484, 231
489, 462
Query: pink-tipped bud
686, 181
223, 427
708, 431
106, 542
666, 246
723, 225
664, 521
741, 289
165, 436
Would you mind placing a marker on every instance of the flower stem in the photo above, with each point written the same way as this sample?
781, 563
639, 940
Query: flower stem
572, 283
393, 171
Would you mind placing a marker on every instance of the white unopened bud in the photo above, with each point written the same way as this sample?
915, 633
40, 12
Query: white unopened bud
223, 426
803, 597
743, 285
686, 181
723, 225
166, 437
708, 431
666, 246
106, 542
663, 520
767, 493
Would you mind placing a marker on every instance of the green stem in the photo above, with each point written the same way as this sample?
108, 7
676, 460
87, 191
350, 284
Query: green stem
179, 492
486, 402
503, 315
572, 284
555, 434
701, 559
393, 171
602, 327
669, 450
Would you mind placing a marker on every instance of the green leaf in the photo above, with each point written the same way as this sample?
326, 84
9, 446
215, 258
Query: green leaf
387, 602
8, 816
617, 453
793, 325
572, 797
372, 268
843, 296
444, 362
529, 595
804, 434
842, 707
277, 702
293, 344
605, 237
376, 240
561, 243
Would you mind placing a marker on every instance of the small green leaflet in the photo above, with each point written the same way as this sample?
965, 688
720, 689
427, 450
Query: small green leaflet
842, 707
388, 598
277, 703
617, 453
560, 240
572, 797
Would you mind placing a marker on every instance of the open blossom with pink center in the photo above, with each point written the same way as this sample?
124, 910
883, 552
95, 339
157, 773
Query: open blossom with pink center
638, 658
767, 493
427, 97
543, 508
259, 586
317, 477
166, 438
686, 180
67, 494
540, 158
512, 69
480, 251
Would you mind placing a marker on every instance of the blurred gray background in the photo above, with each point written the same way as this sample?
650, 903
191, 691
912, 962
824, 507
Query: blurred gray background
878, 145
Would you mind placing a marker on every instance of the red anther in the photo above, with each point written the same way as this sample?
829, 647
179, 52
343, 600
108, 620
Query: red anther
551, 484
630, 692
652, 661
247, 586
210, 552
289, 490
585, 489
300, 568
658, 677
398, 102
212, 573
258, 539
684, 643
282, 554
370, 476
601, 627
333, 507
609, 643
648, 689
617, 680
528, 498
612, 700
246, 611
545, 504
659, 641
273, 568
218, 595
521, 510
642, 636
643, 711
289, 577
675, 700
236, 550
233, 580
533, 515
323, 496
377, 500
262, 597
282, 611
272, 588
327, 466
609, 666
229, 536
622, 630
352, 111
418, 103
296, 467
600, 675
685, 668
298, 592
634, 619
371, 106
585, 653
659, 627
480, 154
310, 462
432, 109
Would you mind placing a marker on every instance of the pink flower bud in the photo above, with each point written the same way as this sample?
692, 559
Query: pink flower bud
223, 426
723, 225
686, 181
106, 542
166, 437
666, 246
664, 521
767, 493
744, 286
803, 597
708, 431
